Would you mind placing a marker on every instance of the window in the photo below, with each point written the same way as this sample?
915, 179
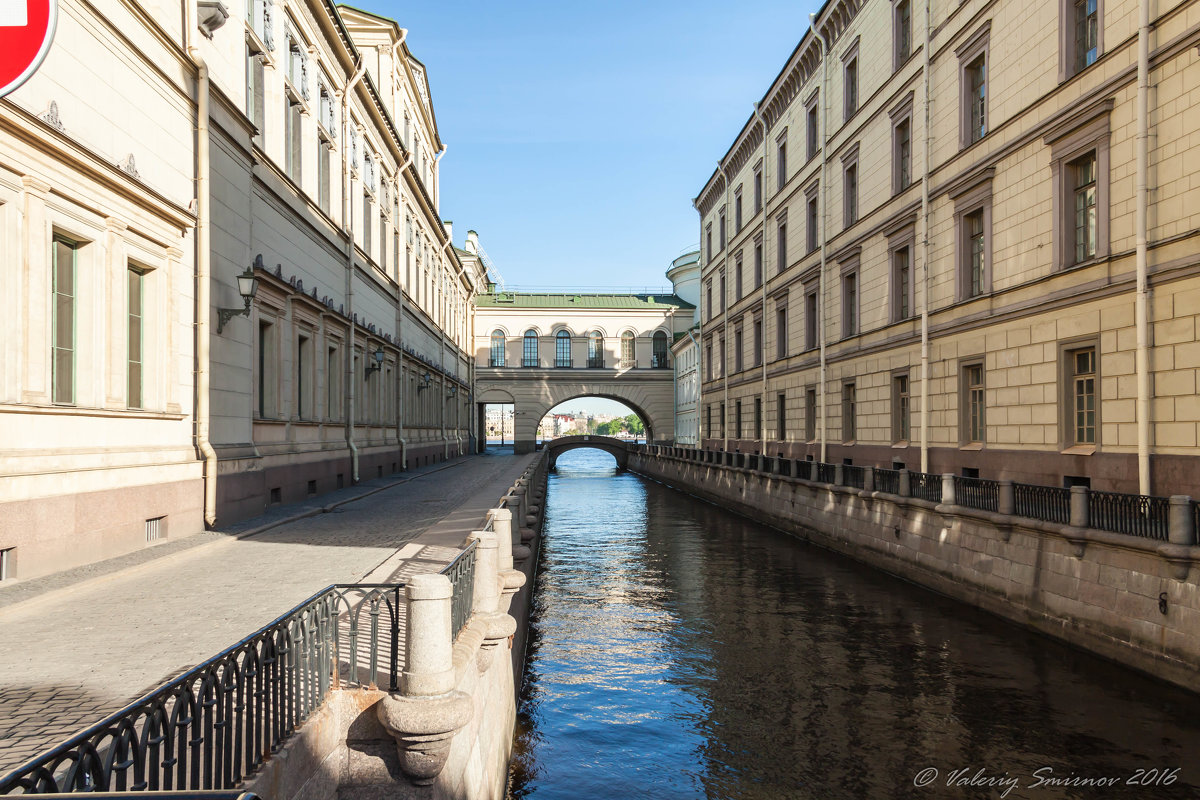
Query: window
8, 563
810, 414
628, 354
758, 341
781, 340
812, 132
1079, 161
902, 153
737, 273
1081, 35
133, 392
849, 412
1081, 370
737, 420
324, 159
973, 86
562, 349
708, 297
497, 346
62, 379
366, 223
721, 222
724, 294
660, 359
758, 261
781, 159
781, 244
902, 33
721, 355
708, 362
850, 81
810, 320
708, 241
708, 420
976, 87
758, 419
1083, 196
900, 409
722, 420
972, 400
737, 209
737, 350
850, 192
758, 188
973, 225
303, 377
333, 384
850, 302
595, 350
813, 221
973, 233
295, 141
267, 361
255, 89
529, 357
781, 417
902, 282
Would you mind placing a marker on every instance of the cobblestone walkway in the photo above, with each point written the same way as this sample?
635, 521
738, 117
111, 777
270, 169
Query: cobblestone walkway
69, 657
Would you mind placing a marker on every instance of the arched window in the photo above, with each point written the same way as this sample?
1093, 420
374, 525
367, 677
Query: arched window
628, 358
595, 350
660, 351
562, 349
497, 359
531, 354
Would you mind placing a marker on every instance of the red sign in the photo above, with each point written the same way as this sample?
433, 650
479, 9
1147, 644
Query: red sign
26, 30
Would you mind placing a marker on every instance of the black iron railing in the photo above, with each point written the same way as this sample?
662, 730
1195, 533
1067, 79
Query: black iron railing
660, 361
461, 573
595, 362
926, 486
825, 472
977, 493
1049, 503
1134, 514
887, 480
854, 476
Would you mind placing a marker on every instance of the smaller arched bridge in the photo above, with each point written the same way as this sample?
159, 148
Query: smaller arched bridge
617, 448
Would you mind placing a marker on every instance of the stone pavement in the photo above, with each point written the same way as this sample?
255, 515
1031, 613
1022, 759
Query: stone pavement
70, 656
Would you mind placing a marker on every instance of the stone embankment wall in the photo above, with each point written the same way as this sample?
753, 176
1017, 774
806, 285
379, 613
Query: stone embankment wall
1133, 600
447, 734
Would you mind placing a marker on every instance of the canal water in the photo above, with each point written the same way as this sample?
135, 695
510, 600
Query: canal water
679, 651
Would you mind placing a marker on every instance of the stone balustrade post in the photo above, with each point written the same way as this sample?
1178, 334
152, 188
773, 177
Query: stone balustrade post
838, 477
1079, 506
1007, 501
948, 489
497, 624
424, 716
869, 479
512, 579
905, 483
1180, 526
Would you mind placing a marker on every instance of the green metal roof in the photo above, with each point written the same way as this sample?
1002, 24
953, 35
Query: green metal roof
528, 300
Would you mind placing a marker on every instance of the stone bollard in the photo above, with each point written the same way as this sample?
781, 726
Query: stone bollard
869, 479
520, 492
948, 489
512, 579
838, 475
905, 483
1079, 506
428, 711
497, 625
1180, 527
1007, 502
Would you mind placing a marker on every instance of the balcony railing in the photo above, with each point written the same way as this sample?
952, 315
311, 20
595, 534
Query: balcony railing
660, 361
595, 362
495, 362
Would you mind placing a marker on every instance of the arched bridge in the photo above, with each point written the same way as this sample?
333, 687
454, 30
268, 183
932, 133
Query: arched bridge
617, 448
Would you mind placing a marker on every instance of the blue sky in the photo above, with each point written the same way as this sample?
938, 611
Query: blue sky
579, 133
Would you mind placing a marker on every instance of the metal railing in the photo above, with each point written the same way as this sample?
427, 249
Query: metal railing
825, 472
595, 362
1048, 503
926, 486
1133, 514
977, 493
854, 477
461, 573
887, 480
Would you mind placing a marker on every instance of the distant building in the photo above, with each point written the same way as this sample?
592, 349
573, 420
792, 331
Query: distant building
684, 275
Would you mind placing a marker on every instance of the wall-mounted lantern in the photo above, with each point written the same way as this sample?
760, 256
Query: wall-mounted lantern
378, 365
247, 288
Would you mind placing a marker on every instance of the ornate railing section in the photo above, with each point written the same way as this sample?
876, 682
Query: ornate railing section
977, 493
461, 573
926, 486
825, 472
887, 480
1133, 514
1048, 503
853, 476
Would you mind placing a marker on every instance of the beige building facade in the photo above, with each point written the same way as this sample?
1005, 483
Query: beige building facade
932, 244
161, 151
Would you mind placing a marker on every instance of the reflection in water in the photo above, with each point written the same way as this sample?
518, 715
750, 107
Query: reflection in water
680, 651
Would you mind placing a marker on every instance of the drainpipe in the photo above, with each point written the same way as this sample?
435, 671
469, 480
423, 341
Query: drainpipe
442, 300
395, 65
925, 255
408, 157
1142, 310
348, 232
203, 277
437, 178
762, 356
822, 189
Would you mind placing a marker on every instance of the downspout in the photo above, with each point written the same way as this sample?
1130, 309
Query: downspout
347, 231
400, 440
822, 189
395, 66
1142, 311
925, 255
203, 278
762, 355
437, 178
442, 301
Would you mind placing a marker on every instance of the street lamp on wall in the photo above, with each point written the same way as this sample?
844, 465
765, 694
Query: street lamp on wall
378, 365
247, 288
426, 380
453, 391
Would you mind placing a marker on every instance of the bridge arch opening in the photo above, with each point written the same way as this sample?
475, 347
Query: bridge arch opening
595, 415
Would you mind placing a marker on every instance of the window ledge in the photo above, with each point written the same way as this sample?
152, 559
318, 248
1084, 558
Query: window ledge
971, 446
900, 445
1080, 450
